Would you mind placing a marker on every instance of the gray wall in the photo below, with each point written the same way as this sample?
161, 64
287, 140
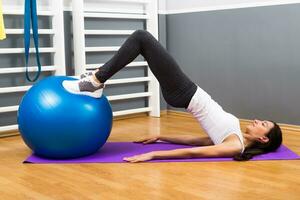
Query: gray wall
162, 38
247, 59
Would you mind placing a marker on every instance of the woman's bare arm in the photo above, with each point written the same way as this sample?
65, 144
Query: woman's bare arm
178, 139
187, 139
220, 150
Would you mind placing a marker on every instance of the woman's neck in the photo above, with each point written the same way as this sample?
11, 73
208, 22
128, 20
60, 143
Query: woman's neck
248, 140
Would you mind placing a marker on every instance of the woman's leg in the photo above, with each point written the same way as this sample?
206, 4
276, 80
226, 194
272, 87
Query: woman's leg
176, 87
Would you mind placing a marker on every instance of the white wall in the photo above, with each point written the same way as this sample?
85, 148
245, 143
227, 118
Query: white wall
181, 6
108, 6
164, 6
161, 4
89, 4
19, 4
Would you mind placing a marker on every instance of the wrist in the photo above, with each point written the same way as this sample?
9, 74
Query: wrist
153, 154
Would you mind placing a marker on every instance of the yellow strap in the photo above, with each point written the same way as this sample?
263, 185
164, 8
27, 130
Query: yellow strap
2, 29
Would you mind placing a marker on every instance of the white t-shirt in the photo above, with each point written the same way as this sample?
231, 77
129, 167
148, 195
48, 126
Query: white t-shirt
217, 123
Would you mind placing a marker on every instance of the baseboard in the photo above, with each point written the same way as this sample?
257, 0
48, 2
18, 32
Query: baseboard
162, 113
130, 116
9, 134
179, 113
243, 122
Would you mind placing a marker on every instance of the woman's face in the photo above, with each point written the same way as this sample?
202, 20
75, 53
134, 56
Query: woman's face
258, 130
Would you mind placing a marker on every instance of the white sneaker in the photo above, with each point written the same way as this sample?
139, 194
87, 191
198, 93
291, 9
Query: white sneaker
85, 86
86, 74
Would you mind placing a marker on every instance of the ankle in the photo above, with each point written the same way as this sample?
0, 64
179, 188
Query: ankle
95, 79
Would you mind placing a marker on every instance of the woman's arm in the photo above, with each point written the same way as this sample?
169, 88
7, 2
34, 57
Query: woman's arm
187, 139
220, 150
180, 139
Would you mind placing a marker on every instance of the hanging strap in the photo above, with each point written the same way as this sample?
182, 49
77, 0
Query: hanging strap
30, 15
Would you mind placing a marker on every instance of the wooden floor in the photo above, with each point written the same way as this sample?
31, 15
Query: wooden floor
143, 181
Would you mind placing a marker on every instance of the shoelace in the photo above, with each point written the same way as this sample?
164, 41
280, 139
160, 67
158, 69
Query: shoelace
86, 74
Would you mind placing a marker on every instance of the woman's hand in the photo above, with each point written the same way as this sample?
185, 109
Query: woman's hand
139, 158
148, 140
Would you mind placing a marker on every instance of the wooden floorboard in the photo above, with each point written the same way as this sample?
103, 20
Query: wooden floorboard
165, 181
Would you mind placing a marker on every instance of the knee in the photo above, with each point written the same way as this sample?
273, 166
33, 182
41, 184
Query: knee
173, 100
140, 34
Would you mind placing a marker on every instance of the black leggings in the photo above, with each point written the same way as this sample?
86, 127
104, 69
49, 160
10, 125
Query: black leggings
176, 87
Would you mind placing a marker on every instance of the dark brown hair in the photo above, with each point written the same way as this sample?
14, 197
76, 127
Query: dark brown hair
275, 140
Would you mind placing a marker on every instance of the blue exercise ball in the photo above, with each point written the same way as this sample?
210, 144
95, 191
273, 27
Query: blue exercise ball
60, 125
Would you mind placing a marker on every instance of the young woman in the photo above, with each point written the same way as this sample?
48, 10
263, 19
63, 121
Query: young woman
225, 138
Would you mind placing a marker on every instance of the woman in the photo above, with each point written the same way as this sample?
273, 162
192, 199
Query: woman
225, 138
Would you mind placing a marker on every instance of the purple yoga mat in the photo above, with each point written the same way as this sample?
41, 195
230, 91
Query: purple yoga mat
114, 152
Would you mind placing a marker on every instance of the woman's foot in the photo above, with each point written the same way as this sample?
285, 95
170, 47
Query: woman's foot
87, 85
86, 74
